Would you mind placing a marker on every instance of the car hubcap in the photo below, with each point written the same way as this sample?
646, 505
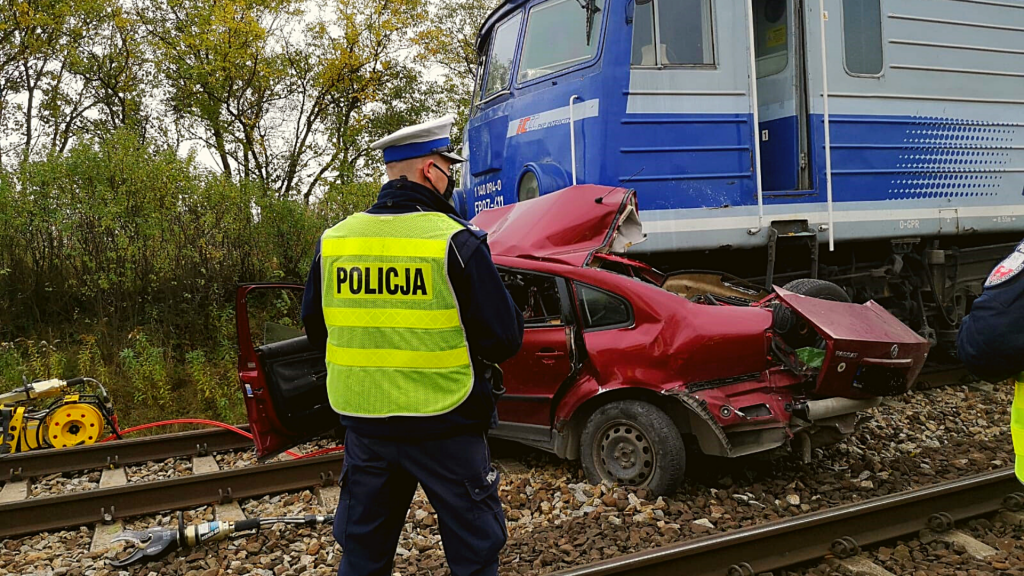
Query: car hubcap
624, 454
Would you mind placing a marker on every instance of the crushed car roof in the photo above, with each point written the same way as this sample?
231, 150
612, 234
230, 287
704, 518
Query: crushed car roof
567, 226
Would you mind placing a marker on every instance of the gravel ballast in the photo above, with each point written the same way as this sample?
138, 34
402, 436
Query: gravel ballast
153, 471
57, 484
556, 520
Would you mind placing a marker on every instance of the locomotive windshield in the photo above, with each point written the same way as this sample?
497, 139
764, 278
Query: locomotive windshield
498, 63
559, 35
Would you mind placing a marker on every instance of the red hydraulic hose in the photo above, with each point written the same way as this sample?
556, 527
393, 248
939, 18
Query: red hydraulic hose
218, 425
323, 451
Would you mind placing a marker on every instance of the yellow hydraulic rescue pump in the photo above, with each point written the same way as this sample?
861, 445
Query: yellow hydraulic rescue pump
50, 414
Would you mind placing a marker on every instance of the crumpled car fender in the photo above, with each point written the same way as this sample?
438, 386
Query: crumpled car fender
690, 413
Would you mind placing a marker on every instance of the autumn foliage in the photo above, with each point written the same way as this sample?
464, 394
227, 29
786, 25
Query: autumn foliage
155, 153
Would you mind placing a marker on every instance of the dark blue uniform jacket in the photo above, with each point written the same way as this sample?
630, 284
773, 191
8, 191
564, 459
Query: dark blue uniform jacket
493, 324
991, 338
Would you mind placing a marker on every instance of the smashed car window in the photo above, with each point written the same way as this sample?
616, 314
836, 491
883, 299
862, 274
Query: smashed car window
535, 295
601, 309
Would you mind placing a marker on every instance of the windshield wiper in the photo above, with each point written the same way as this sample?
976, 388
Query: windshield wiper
592, 9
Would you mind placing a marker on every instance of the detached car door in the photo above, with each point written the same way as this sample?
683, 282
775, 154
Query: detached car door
545, 361
283, 380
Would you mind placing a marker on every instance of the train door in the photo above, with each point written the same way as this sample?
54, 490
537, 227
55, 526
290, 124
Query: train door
686, 141
781, 97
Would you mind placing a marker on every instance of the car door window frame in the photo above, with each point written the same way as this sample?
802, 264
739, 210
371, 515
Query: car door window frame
628, 323
564, 320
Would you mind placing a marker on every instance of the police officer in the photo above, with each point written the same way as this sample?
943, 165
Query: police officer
991, 339
413, 317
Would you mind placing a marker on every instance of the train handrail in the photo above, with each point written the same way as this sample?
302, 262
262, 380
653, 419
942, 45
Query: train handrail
823, 18
572, 138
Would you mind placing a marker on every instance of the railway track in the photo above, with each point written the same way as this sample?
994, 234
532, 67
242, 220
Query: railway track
16, 467
107, 504
840, 532
749, 550
25, 465
931, 378
116, 498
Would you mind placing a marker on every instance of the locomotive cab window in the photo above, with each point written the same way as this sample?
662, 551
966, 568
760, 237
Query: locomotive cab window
535, 295
862, 37
502, 53
681, 29
559, 35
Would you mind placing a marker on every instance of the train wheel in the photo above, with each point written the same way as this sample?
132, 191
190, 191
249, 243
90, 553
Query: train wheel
633, 443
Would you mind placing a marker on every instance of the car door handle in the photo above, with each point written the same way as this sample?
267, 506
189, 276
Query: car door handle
549, 353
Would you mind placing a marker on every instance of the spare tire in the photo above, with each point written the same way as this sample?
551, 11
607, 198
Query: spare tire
794, 331
821, 289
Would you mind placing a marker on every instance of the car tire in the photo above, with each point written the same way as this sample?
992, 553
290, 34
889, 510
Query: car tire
796, 333
821, 289
630, 442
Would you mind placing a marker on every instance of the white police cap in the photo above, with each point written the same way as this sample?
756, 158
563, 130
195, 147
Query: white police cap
430, 137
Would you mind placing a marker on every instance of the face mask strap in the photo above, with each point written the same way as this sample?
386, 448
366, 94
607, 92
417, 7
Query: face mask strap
449, 189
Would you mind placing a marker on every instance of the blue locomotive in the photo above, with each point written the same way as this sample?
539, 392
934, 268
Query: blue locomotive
891, 132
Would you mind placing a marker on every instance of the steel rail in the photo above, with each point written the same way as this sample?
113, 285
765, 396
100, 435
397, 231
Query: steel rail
942, 377
106, 504
120, 452
783, 543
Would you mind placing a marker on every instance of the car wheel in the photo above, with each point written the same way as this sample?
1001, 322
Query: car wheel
793, 329
633, 443
821, 289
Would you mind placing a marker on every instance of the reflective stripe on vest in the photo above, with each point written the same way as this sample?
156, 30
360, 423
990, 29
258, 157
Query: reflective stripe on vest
395, 345
1017, 426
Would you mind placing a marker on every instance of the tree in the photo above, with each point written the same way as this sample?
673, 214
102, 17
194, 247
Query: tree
118, 73
283, 97
217, 58
361, 60
42, 40
450, 43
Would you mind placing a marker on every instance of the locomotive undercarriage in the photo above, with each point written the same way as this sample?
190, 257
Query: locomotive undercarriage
928, 283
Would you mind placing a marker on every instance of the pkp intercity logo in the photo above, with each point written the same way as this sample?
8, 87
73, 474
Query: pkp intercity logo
549, 118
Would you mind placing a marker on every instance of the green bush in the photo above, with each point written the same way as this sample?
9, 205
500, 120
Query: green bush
120, 261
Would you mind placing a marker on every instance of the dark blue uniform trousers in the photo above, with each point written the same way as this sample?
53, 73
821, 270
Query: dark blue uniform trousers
378, 481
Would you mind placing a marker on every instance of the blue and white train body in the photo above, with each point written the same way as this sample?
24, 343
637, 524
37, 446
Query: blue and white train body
884, 128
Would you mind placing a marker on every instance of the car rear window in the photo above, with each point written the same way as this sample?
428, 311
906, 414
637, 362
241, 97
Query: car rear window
602, 309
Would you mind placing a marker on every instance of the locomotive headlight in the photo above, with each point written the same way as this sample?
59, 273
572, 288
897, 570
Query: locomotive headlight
529, 188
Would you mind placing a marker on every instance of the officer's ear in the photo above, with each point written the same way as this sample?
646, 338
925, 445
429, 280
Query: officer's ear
429, 173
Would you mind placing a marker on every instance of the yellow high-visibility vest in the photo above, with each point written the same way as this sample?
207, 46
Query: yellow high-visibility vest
1017, 426
396, 345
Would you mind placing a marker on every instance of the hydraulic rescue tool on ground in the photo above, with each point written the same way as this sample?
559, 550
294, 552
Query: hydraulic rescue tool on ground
155, 543
51, 414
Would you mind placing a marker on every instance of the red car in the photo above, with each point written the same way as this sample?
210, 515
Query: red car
626, 368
